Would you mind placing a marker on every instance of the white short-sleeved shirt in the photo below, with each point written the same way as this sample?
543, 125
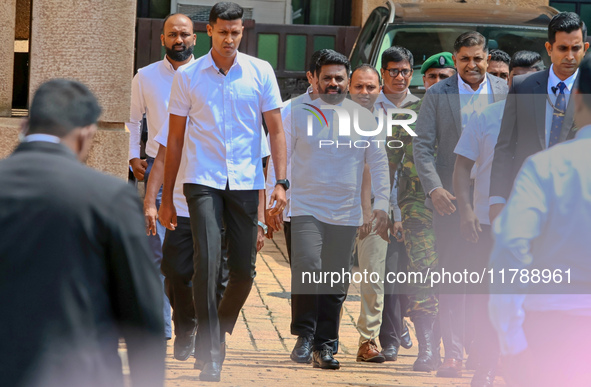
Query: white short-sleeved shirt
222, 143
150, 92
477, 143
178, 197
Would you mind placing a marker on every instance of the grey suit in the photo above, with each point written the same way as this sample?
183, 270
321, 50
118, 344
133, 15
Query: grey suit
439, 127
523, 130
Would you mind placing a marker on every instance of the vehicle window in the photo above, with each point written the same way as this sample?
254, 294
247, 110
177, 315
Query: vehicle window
362, 50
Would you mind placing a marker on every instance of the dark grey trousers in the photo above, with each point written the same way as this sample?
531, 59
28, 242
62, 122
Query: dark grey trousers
318, 247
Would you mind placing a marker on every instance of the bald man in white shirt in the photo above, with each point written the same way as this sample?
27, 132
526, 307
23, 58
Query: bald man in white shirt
150, 93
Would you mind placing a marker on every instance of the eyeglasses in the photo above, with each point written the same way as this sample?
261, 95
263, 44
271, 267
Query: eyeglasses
394, 72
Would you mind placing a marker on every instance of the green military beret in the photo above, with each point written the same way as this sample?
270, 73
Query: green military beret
438, 61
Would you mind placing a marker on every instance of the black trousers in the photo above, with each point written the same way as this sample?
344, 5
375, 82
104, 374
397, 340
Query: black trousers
453, 253
177, 266
209, 210
480, 336
394, 301
287, 233
319, 248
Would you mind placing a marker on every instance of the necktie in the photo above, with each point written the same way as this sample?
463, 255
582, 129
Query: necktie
559, 109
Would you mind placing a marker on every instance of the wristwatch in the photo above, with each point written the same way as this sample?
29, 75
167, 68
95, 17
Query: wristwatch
284, 183
264, 227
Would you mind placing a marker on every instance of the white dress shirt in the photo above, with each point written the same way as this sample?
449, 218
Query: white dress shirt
382, 102
477, 143
473, 100
150, 92
42, 137
327, 181
178, 197
224, 120
546, 221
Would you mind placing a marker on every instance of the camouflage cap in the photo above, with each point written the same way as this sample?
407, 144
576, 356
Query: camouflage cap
438, 61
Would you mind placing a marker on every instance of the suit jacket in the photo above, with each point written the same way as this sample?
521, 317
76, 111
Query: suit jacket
523, 129
439, 126
76, 274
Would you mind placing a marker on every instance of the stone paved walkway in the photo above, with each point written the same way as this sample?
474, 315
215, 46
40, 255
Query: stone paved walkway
258, 351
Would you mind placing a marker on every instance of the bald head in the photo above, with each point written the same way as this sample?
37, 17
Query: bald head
178, 38
174, 17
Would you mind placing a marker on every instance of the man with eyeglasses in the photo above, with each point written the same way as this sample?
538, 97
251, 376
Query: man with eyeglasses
396, 73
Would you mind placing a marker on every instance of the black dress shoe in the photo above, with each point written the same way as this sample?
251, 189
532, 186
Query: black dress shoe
323, 359
302, 351
405, 341
483, 378
390, 352
211, 372
184, 346
199, 364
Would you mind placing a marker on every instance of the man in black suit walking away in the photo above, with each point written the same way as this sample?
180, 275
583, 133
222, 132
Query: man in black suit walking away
76, 271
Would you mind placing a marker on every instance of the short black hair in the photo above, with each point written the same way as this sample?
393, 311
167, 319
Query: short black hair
331, 57
497, 55
367, 67
566, 22
314, 59
225, 10
61, 105
584, 81
171, 15
526, 58
470, 39
397, 54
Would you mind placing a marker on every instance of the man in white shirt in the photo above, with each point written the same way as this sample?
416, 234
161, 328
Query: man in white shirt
275, 223
476, 147
221, 99
545, 227
177, 252
150, 92
326, 199
538, 113
444, 113
303, 323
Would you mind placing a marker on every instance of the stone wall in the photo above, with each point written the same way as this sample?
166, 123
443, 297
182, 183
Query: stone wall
90, 41
7, 22
87, 40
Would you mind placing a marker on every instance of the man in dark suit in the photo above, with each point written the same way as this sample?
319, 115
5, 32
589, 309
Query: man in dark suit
538, 112
445, 111
76, 271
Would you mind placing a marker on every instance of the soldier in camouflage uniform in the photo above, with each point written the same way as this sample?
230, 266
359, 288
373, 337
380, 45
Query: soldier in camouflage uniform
419, 237
417, 219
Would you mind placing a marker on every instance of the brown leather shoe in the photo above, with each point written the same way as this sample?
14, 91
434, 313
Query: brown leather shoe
451, 368
368, 351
